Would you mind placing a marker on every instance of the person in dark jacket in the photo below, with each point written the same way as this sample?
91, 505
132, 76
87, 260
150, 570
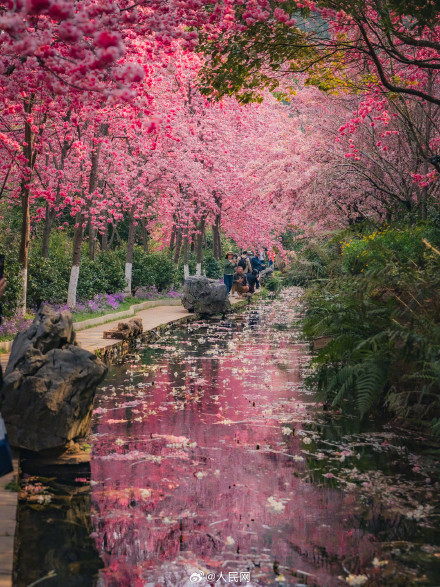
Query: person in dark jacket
255, 263
252, 279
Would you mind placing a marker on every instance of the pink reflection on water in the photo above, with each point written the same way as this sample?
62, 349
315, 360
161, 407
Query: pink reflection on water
194, 467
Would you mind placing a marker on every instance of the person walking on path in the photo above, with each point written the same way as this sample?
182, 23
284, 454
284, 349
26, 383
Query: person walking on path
228, 270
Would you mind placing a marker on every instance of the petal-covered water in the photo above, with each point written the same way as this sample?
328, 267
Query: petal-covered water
212, 464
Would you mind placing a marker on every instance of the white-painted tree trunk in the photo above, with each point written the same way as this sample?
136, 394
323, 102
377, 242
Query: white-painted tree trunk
128, 277
24, 276
73, 286
186, 271
198, 269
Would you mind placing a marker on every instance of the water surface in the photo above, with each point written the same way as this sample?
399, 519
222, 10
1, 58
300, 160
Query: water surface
213, 464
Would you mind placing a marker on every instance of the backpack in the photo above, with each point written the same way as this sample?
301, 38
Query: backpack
242, 263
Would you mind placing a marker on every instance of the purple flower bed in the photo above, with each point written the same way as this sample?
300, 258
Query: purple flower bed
100, 303
147, 293
11, 326
173, 294
152, 293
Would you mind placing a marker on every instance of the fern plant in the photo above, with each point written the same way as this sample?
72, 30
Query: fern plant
383, 329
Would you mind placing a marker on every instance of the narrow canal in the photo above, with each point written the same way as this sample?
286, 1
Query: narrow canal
213, 464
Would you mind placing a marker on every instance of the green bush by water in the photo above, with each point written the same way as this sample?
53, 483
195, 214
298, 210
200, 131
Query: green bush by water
401, 246
379, 313
315, 260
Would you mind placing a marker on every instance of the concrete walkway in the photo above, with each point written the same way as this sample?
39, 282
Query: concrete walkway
92, 340
8, 510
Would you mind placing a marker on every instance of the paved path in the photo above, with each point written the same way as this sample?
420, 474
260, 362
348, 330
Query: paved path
8, 507
92, 340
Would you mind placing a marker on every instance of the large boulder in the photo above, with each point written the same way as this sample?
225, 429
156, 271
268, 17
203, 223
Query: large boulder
205, 296
49, 385
266, 274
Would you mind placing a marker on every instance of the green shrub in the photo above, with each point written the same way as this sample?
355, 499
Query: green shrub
211, 266
152, 269
13, 291
91, 280
192, 268
47, 280
315, 260
273, 283
382, 329
403, 246
111, 266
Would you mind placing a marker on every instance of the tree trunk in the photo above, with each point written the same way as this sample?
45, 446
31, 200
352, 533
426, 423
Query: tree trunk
145, 238
219, 240
178, 245
25, 207
129, 257
93, 184
186, 257
104, 237
92, 242
79, 229
173, 239
214, 241
199, 247
24, 243
50, 212
76, 261
48, 223
217, 245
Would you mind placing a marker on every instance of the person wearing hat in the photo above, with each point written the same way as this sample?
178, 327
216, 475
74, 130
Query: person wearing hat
228, 270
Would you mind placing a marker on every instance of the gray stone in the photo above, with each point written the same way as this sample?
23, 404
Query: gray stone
265, 274
49, 385
126, 330
205, 296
